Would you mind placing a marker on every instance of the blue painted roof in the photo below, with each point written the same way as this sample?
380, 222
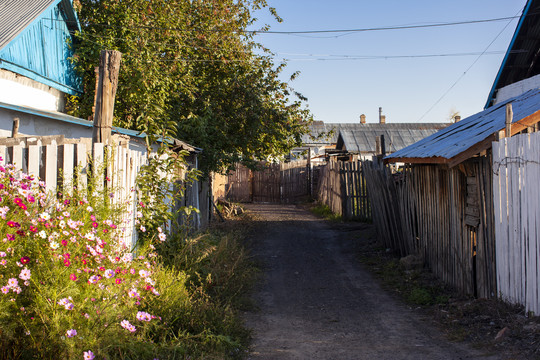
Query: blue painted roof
468, 132
35, 39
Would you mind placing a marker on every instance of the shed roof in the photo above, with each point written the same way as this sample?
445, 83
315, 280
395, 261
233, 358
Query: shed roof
16, 15
521, 59
360, 138
472, 135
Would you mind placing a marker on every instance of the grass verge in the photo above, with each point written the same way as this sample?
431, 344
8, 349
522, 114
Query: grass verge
489, 324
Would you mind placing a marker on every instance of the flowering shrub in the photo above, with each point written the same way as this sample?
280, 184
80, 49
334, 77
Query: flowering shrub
67, 285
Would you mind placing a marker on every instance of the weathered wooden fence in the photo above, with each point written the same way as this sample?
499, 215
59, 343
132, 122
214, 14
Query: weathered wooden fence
516, 168
62, 163
444, 215
342, 187
273, 183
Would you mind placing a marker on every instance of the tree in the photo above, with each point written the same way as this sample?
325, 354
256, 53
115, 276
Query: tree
190, 69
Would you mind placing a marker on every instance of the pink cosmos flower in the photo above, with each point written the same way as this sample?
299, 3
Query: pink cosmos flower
13, 224
12, 282
144, 316
126, 325
109, 273
5, 289
71, 333
73, 277
33, 229
88, 355
25, 274
24, 260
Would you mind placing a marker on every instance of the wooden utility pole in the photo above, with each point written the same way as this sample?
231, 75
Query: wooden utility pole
109, 67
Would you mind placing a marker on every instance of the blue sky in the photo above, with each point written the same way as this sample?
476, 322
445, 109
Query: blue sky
339, 89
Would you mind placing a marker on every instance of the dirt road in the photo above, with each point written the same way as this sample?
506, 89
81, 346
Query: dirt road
317, 302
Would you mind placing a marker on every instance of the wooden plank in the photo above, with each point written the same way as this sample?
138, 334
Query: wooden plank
49, 173
82, 167
34, 157
17, 157
67, 162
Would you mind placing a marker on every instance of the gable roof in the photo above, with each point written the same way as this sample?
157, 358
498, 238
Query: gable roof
522, 57
360, 138
472, 135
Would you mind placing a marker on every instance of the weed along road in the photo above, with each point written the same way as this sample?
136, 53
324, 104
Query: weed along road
315, 301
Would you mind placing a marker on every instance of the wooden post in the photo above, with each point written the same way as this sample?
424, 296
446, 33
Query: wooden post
109, 67
383, 146
15, 129
509, 116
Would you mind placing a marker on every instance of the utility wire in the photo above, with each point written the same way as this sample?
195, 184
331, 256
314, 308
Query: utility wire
303, 57
260, 32
469, 68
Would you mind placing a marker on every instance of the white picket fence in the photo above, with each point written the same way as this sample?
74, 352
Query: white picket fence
516, 167
48, 159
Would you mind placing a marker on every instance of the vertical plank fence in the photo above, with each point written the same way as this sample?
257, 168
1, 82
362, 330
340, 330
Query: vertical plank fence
443, 215
285, 183
343, 188
64, 166
516, 170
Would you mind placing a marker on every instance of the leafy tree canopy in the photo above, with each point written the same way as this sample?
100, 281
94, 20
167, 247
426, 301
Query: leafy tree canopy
191, 70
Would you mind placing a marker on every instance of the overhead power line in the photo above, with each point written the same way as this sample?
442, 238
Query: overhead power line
317, 31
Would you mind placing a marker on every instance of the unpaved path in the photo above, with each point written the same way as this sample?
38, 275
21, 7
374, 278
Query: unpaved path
317, 302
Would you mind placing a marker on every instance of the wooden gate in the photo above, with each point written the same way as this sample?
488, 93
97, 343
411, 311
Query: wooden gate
274, 183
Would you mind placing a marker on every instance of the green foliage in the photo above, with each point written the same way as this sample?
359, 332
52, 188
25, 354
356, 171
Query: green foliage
69, 286
160, 185
325, 211
190, 70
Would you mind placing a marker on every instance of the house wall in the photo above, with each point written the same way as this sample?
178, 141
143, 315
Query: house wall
39, 125
19, 90
517, 88
42, 51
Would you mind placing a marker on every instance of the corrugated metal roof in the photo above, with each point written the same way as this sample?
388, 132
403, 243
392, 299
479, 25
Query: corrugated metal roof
360, 138
16, 15
461, 136
396, 131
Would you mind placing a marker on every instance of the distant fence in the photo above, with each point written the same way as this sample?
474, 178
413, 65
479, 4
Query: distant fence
272, 183
516, 169
342, 187
62, 163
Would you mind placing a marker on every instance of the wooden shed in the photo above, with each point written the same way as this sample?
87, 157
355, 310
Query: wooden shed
445, 195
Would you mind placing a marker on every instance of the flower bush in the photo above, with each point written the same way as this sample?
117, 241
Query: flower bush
68, 286
71, 289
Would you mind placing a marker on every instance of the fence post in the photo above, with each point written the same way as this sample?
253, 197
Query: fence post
109, 68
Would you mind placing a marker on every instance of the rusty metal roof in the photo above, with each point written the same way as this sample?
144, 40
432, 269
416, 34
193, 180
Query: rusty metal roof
465, 136
360, 138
